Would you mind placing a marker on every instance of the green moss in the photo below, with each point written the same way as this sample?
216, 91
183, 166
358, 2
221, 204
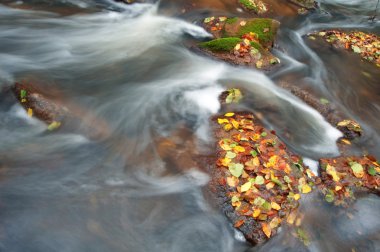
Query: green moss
249, 5
261, 26
231, 20
221, 45
256, 45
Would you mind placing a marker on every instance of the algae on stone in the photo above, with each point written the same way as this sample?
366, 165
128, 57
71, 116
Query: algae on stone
221, 44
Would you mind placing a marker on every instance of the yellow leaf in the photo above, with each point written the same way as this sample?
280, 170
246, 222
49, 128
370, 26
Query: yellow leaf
306, 188
222, 120
256, 213
239, 148
227, 127
30, 112
345, 141
243, 23
226, 161
275, 206
235, 123
229, 114
246, 186
267, 229
224, 145
332, 172
338, 188
272, 161
297, 196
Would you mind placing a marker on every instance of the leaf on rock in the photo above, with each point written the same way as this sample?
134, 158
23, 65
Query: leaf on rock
236, 169
54, 125
229, 114
30, 112
332, 172
246, 186
357, 169
306, 188
259, 180
267, 229
23, 94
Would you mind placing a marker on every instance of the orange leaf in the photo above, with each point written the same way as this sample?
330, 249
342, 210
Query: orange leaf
267, 229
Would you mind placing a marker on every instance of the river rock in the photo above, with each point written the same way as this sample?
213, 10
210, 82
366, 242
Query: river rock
343, 177
257, 181
366, 45
38, 104
350, 129
48, 105
241, 41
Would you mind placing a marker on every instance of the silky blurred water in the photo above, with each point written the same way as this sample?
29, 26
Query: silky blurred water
126, 70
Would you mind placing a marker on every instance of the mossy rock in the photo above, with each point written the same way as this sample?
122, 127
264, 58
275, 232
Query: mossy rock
221, 44
265, 28
257, 6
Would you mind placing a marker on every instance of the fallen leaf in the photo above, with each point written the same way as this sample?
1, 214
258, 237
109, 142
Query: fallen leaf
275, 206
259, 180
236, 169
54, 125
30, 112
222, 121
306, 188
357, 169
267, 229
246, 186
332, 172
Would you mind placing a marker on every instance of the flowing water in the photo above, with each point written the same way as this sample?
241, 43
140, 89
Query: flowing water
129, 71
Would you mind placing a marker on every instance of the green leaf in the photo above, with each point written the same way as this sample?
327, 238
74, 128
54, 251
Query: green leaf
23, 93
357, 169
234, 96
254, 153
324, 101
372, 171
287, 179
356, 49
259, 180
259, 201
246, 186
235, 199
267, 206
236, 169
54, 125
230, 155
330, 196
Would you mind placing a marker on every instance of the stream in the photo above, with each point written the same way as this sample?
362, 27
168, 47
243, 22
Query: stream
130, 70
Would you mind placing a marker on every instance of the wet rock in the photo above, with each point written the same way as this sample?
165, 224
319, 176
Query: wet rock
343, 177
308, 4
47, 105
256, 6
349, 128
38, 104
366, 45
256, 180
241, 41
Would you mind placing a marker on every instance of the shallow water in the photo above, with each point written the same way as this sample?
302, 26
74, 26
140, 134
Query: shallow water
129, 72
